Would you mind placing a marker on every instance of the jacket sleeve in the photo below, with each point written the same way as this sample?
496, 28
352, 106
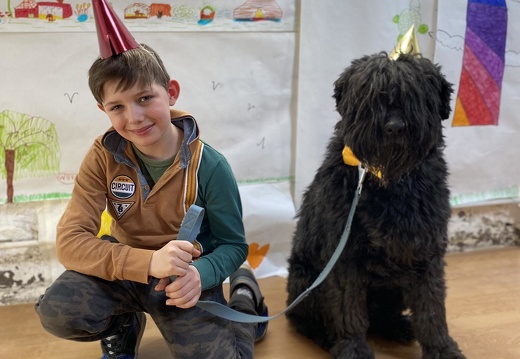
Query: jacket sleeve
77, 245
223, 235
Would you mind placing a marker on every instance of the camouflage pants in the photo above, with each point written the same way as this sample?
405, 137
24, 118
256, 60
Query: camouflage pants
84, 308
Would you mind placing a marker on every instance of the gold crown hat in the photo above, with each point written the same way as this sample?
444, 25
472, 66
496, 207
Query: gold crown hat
407, 45
114, 38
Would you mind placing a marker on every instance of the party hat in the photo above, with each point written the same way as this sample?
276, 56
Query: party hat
114, 38
407, 45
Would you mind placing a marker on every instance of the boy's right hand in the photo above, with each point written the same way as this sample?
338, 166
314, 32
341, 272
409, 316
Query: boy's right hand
172, 259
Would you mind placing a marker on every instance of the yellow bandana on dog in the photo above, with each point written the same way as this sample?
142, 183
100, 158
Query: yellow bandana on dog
350, 159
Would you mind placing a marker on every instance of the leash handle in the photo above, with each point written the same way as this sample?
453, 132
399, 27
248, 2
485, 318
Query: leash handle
190, 226
225, 312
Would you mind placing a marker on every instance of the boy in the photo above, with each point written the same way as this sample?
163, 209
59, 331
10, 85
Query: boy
146, 170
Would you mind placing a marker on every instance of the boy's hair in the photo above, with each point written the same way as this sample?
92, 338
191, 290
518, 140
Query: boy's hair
141, 65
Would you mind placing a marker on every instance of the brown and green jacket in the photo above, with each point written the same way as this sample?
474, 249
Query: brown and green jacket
145, 218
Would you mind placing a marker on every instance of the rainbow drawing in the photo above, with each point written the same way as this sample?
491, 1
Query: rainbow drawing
480, 86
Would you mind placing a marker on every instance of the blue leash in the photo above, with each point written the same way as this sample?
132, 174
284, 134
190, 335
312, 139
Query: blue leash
190, 229
190, 226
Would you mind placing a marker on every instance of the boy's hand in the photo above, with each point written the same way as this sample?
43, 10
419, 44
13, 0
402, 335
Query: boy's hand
172, 259
185, 291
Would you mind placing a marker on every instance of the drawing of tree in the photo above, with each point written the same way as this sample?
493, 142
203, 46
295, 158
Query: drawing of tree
30, 148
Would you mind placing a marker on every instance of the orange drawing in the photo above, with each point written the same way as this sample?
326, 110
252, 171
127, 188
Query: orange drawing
257, 254
137, 11
160, 10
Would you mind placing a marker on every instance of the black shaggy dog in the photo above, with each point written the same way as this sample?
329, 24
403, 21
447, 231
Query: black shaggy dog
389, 280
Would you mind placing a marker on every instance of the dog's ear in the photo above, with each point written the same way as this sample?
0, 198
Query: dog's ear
339, 89
445, 96
445, 90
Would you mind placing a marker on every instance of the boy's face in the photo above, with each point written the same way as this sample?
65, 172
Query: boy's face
142, 114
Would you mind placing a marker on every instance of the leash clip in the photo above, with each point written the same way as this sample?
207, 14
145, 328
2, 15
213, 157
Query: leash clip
362, 174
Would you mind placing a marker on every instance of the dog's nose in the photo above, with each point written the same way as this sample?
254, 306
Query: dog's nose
394, 127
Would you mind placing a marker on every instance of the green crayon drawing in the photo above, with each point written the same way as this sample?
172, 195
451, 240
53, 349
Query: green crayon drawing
9, 10
409, 17
29, 147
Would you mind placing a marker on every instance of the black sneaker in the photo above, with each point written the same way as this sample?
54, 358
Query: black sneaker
125, 343
245, 276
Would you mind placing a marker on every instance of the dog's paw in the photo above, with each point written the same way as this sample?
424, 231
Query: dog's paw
353, 348
450, 352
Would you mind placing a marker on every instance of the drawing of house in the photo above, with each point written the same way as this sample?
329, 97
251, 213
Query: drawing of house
27, 8
54, 10
160, 10
45, 10
137, 11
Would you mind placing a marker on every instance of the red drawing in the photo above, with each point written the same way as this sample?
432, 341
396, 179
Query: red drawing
44, 10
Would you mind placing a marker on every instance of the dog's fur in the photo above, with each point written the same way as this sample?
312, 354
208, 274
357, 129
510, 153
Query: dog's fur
389, 280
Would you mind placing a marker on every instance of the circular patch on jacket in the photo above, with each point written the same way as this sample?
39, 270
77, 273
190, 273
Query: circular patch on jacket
122, 187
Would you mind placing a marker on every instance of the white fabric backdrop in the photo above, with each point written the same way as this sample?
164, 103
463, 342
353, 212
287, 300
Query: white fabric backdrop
481, 158
236, 79
263, 97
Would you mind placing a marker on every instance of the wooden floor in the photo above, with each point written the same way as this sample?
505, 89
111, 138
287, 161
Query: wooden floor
483, 307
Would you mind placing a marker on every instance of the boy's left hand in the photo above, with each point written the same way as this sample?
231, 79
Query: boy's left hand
185, 291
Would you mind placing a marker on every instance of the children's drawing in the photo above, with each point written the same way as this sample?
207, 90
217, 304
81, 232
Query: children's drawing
207, 14
162, 16
28, 148
184, 13
27, 8
257, 254
45, 10
453, 42
160, 10
478, 98
258, 10
137, 11
81, 12
4, 16
409, 17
